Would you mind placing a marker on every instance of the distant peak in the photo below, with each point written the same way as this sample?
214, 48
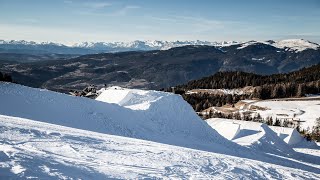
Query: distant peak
296, 45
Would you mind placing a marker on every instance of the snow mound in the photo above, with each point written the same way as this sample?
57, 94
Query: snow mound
252, 134
289, 135
157, 116
131, 98
296, 45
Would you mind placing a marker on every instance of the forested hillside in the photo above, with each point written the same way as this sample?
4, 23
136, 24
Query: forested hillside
294, 84
5, 77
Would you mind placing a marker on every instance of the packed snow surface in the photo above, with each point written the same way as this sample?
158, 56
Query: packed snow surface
32, 149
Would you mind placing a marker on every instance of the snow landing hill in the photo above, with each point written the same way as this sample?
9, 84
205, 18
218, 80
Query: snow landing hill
123, 134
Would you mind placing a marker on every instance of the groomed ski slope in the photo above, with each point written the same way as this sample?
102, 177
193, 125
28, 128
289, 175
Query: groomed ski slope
37, 150
44, 134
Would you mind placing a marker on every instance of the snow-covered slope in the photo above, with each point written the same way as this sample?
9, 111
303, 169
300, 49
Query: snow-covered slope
305, 110
36, 150
162, 117
44, 134
295, 45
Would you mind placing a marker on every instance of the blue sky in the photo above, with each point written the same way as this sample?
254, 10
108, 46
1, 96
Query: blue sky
71, 21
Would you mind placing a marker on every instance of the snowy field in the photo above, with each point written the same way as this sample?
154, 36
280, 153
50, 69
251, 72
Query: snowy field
306, 110
131, 134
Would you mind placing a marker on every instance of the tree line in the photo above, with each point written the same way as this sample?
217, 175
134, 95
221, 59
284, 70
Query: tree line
5, 77
294, 84
237, 79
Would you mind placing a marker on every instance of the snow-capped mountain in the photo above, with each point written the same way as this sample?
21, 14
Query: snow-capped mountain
148, 45
296, 45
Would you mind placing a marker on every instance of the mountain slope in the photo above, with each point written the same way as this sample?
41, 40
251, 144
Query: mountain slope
31, 47
296, 45
159, 69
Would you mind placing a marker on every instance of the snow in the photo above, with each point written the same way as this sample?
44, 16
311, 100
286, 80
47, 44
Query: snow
258, 59
249, 43
296, 45
235, 129
130, 134
238, 91
158, 116
252, 134
277, 141
125, 46
306, 110
46, 151
150, 44
289, 135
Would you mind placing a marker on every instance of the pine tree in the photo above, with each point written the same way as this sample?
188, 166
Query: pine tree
277, 122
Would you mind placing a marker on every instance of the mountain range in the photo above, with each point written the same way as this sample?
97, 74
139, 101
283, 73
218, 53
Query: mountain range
158, 69
31, 47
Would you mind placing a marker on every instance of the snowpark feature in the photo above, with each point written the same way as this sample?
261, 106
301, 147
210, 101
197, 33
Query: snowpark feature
234, 129
255, 135
143, 134
166, 118
289, 135
275, 140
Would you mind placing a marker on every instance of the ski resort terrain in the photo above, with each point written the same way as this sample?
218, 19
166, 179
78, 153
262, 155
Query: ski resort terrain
131, 134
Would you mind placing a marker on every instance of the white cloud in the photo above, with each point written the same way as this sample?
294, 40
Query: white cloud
97, 5
29, 20
125, 10
89, 4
